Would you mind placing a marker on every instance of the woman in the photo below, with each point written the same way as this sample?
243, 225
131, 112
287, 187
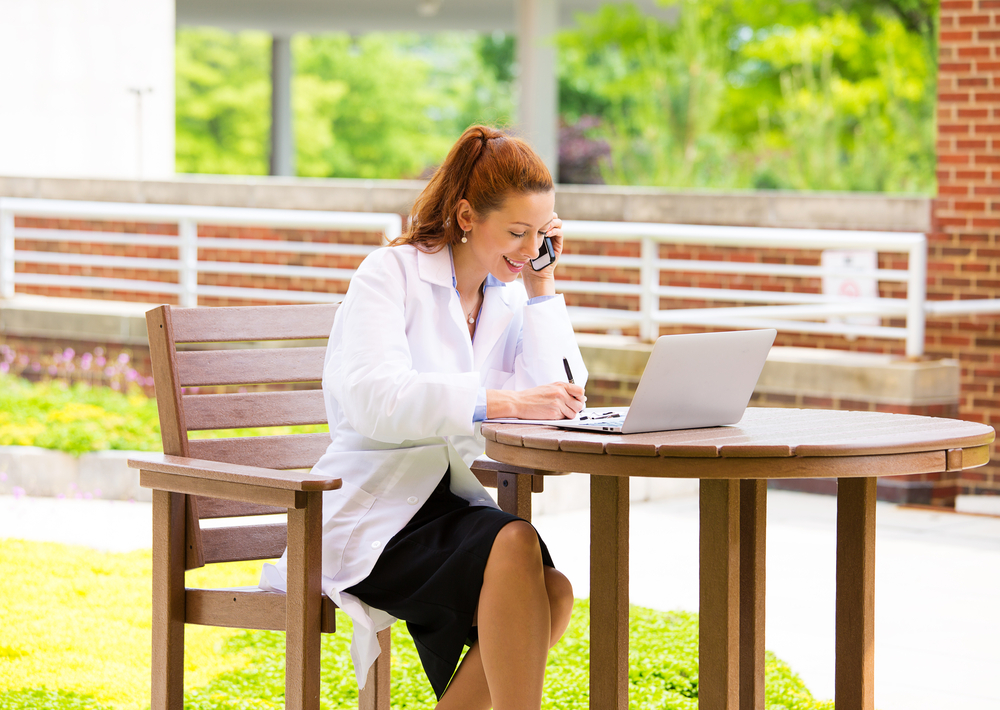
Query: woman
434, 335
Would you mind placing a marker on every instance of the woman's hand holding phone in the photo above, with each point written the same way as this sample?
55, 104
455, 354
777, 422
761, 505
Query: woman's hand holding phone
540, 279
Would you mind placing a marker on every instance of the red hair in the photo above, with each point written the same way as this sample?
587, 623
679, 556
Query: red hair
483, 167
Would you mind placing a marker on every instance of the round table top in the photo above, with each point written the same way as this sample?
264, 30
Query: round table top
792, 443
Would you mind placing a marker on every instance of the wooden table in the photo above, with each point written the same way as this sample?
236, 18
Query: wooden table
734, 464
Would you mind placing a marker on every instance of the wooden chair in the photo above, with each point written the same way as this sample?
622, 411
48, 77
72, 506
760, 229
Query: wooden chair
197, 479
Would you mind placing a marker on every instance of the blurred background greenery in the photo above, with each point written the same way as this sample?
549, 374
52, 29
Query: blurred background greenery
798, 94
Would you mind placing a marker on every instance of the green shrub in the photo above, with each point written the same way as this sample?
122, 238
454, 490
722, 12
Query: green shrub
78, 418
75, 418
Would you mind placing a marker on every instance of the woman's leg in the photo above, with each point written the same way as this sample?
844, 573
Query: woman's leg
524, 609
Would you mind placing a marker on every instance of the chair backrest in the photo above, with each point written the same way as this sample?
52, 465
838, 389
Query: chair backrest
233, 368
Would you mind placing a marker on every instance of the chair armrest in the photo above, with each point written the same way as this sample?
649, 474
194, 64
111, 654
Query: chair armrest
234, 473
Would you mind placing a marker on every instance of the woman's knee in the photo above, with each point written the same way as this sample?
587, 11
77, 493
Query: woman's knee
560, 591
518, 541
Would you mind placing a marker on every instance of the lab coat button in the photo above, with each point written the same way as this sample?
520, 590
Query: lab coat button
376, 545
412, 500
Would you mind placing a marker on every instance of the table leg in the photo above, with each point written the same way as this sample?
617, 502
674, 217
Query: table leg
855, 674
609, 592
753, 527
719, 598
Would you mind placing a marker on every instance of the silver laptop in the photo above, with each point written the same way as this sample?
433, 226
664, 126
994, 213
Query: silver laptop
690, 381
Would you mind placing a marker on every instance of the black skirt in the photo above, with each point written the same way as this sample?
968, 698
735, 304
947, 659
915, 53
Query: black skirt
430, 575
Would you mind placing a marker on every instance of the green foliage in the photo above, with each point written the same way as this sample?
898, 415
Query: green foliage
382, 105
78, 418
663, 670
43, 699
362, 109
745, 93
223, 100
78, 620
75, 418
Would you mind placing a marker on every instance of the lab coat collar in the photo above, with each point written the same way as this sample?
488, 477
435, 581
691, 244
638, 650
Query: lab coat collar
435, 267
438, 268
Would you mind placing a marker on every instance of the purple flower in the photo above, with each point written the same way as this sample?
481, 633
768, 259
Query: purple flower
4, 367
69, 353
131, 375
123, 358
99, 361
109, 371
36, 366
98, 351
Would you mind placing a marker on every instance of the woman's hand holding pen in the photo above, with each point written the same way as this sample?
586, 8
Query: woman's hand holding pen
542, 283
559, 400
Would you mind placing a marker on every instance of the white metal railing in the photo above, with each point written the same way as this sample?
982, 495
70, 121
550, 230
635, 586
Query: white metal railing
187, 242
787, 311
790, 311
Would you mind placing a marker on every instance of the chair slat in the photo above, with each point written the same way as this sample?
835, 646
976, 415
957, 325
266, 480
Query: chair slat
204, 368
278, 452
216, 325
246, 608
209, 508
254, 409
243, 542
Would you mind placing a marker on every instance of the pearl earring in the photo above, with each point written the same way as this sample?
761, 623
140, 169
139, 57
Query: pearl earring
465, 239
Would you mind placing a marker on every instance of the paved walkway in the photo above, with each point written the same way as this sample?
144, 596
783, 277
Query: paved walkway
937, 582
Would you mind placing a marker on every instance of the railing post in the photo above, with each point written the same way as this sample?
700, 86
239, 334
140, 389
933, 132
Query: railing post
649, 278
916, 297
6, 253
187, 254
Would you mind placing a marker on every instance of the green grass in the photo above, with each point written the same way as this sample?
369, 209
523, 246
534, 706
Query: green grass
75, 634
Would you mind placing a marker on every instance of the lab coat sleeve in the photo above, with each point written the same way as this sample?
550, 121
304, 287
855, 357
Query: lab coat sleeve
379, 392
546, 338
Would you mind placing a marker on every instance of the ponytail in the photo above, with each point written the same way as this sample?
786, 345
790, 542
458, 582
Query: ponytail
483, 167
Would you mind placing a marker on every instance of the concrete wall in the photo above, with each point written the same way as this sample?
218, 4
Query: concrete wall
65, 103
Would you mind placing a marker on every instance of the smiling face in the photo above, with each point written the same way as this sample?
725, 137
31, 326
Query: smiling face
503, 241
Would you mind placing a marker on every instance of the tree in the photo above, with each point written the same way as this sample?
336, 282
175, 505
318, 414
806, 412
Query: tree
377, 106
746, 93
223, 94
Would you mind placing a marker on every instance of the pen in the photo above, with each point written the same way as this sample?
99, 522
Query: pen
569, 373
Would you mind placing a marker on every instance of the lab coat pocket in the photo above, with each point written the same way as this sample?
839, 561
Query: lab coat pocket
344, 510
497, 379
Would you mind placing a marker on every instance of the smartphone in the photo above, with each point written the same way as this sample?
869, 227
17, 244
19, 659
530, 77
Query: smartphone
546, 255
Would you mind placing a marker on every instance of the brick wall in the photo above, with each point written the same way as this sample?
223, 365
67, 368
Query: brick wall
963, 247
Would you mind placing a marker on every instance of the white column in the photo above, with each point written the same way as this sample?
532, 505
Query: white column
538, 100
282, 137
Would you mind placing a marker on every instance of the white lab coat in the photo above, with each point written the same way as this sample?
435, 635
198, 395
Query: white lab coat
401, 380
